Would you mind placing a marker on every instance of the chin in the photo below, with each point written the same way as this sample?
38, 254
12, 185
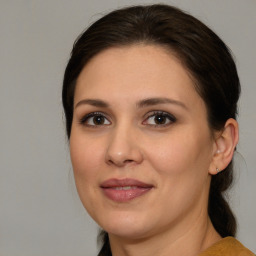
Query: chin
128, 232
126, 226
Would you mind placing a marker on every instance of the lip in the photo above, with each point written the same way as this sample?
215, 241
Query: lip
124, 190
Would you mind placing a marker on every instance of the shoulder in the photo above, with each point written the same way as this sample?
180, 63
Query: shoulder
227, 246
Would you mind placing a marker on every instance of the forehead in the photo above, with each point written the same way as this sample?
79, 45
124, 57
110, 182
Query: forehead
137, 71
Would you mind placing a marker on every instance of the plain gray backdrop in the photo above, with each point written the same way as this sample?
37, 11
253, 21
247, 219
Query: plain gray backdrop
40, 213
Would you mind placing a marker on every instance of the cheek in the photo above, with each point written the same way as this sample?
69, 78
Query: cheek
182, 165
84, 155
181, 154
86, 160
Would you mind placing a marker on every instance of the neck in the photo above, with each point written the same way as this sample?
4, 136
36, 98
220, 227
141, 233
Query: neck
195, 239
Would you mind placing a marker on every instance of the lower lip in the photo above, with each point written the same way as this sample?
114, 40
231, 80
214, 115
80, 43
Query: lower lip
125, 195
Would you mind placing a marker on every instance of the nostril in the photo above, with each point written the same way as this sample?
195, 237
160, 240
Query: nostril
121, 154
120, 162
110, 161
128, 161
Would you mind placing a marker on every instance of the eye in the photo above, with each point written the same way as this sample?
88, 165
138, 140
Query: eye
159, 118
95, 119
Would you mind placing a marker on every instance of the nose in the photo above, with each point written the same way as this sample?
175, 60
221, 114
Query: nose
123, 147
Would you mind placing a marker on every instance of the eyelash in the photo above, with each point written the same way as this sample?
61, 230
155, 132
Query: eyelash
166, 115
84, 120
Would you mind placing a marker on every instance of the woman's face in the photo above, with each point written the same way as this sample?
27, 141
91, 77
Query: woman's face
140, 143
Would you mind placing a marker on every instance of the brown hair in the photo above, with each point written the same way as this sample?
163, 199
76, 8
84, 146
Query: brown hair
201, 51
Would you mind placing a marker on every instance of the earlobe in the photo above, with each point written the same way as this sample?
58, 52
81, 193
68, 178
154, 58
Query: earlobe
225, 144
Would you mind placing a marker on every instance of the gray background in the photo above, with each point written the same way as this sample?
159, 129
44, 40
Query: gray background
40, 213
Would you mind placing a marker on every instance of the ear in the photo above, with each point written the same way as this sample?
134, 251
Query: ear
224, 147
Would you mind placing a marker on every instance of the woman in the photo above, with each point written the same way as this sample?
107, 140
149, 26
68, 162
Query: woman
150, 98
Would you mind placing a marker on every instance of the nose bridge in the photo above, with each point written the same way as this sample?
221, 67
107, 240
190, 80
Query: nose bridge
123, 145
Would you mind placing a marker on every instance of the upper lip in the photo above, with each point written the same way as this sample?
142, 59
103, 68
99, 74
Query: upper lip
111, 183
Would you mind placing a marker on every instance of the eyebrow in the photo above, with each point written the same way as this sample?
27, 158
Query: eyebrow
93, 102
157, 101
140, 104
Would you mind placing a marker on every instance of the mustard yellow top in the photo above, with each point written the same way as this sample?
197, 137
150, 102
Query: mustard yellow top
227, 246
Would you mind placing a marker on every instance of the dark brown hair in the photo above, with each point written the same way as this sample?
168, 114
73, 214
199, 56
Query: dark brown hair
203, 54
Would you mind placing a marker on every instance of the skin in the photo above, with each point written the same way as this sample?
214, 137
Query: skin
177, 156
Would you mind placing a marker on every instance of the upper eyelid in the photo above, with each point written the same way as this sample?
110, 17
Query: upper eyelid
96, 113
170, 116
158, 112
110, 119
92, 114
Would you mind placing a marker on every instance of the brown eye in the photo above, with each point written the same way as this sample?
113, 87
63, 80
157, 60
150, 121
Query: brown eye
95, 119
160, 119
98, 120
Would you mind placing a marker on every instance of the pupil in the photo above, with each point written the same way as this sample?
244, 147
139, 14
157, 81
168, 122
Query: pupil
160, 119
98, 120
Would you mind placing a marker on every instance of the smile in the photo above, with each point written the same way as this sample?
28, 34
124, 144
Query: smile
124, 190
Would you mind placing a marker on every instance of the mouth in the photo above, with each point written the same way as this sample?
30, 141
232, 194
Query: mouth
124, 190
